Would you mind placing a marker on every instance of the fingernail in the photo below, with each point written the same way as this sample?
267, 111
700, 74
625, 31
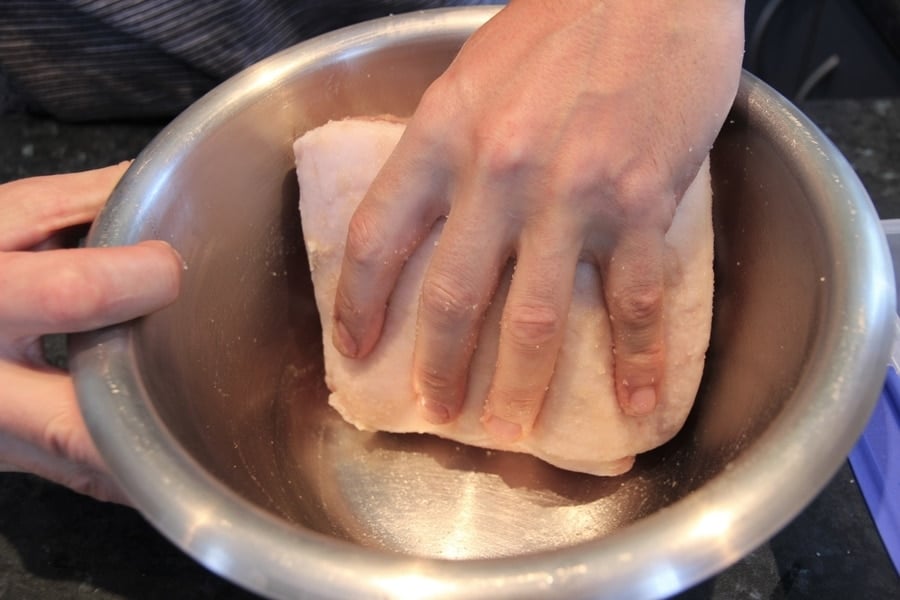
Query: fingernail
502, 430
173, 276
343, 341
157, 243
642, 401
434, 411
168, 247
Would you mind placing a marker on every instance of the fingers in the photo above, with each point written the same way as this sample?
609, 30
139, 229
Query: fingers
458, 286
79, 289
42, 432
41, 429
399, 210
32, 209
633, 284
532, 331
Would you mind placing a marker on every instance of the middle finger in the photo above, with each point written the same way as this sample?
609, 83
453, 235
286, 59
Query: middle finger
457, 289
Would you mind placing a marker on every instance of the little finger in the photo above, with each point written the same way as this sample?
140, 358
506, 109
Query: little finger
633, 284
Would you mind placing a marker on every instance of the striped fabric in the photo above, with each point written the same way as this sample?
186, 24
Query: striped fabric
84, 60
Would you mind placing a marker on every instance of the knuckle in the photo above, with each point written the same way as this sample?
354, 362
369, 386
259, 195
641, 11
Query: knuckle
584, 185
499, 158
642, 196
533, 326
55, 206
344, 307
365, 243
61, 439
589, 174
635, 183
67, 298
447, 300
516, 404
642, 366
503, 147
437, 382
638, 306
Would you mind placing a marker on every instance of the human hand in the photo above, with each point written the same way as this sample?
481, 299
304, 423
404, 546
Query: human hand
563, 131
46, 289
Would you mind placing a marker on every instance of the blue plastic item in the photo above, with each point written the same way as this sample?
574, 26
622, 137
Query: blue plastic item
876, 462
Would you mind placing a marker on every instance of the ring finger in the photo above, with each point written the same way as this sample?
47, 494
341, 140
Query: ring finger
532, 330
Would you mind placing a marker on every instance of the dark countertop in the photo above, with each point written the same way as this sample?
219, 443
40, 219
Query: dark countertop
56, 544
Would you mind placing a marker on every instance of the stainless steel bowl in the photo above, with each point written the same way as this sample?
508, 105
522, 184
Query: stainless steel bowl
212, 413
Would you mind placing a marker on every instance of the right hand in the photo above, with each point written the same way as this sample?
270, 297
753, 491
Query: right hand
562, 131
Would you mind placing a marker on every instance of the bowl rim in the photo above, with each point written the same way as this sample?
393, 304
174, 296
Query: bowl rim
706, 531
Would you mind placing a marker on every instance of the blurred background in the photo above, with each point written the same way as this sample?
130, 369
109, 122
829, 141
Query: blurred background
814, 49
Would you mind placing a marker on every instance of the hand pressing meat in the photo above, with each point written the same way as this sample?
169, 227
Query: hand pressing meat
563, 132
581, 426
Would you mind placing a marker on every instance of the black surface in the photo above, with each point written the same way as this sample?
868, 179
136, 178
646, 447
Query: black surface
56, 544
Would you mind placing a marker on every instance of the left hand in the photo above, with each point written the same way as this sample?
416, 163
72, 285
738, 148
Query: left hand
46, 290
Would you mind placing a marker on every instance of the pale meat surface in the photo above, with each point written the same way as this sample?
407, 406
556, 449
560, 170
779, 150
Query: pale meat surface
580, 426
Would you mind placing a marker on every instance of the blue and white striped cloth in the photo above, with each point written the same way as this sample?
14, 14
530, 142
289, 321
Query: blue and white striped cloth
100, 59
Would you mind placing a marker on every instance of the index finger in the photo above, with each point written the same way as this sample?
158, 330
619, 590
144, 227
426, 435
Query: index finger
402, 205
60, 291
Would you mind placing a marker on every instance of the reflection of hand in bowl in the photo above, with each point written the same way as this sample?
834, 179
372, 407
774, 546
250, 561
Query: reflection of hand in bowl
212, 412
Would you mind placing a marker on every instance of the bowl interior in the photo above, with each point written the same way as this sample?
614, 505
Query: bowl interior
232, 372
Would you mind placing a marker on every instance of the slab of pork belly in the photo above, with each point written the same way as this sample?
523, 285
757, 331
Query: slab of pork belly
580, 426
